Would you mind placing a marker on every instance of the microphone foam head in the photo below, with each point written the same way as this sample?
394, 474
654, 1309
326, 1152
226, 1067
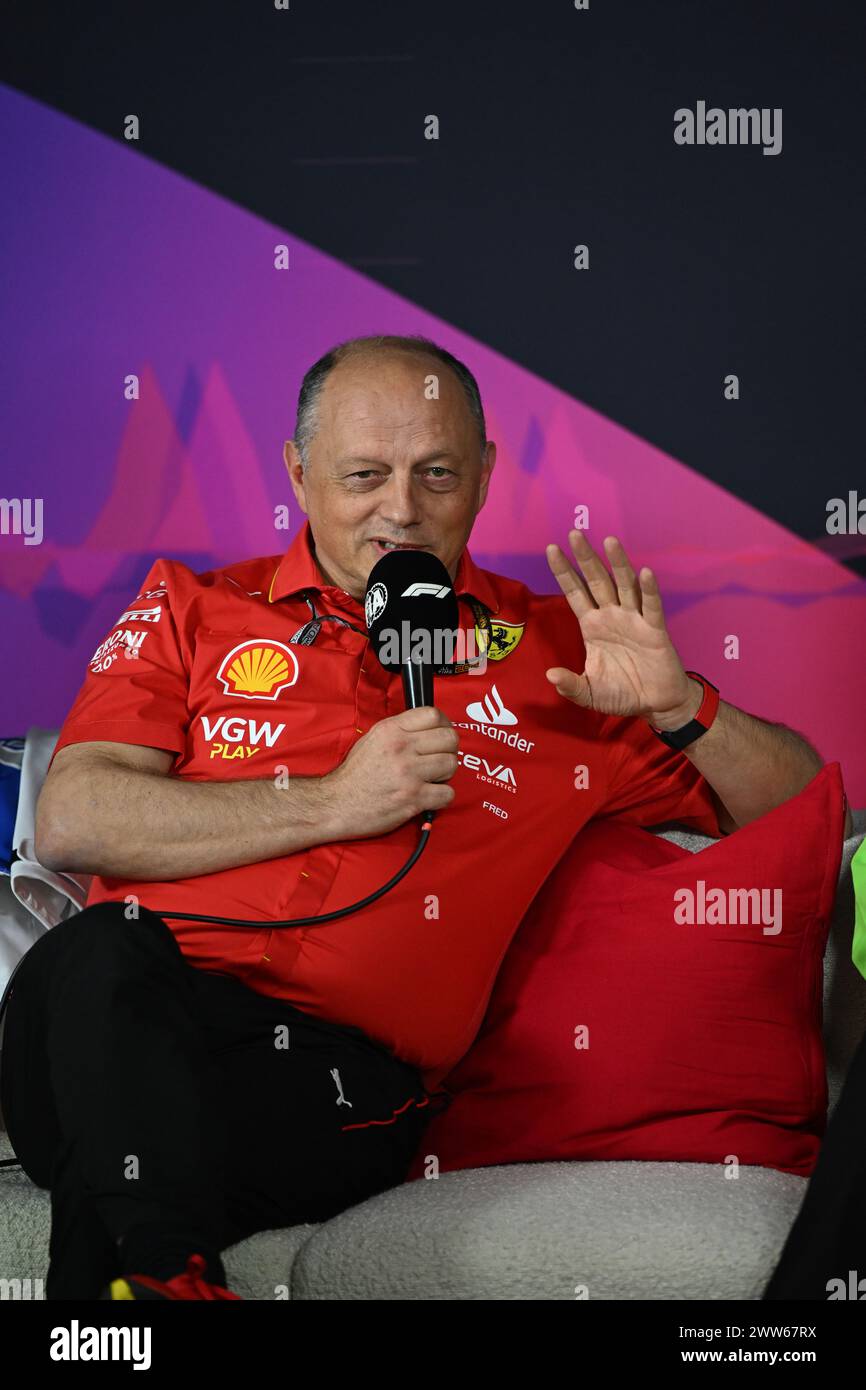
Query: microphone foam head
411, 609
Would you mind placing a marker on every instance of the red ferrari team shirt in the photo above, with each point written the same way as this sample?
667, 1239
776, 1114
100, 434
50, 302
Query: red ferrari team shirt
203, 665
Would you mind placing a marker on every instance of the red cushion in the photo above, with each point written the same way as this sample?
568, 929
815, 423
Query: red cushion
704, 1041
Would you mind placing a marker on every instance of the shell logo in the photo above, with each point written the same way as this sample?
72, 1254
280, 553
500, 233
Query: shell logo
258, 670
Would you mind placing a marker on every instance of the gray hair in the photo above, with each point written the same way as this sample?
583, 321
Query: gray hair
307, 421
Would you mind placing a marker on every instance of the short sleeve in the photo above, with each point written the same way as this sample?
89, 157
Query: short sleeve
652, 783
137, 684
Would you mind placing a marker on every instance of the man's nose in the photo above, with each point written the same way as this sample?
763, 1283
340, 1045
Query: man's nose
399, 502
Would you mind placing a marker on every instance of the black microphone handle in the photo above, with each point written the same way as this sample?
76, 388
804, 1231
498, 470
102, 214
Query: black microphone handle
418, 690
417, 684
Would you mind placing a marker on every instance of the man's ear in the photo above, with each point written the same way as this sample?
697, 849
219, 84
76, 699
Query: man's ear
486, 471
295, 470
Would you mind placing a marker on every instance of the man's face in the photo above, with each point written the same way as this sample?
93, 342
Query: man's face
386, 463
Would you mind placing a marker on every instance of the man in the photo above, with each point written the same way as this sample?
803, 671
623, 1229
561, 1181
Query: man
212, 765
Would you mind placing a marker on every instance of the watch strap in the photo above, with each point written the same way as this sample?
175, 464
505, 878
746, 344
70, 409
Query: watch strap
709, 708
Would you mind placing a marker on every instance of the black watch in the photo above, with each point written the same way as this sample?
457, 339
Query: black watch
682, 737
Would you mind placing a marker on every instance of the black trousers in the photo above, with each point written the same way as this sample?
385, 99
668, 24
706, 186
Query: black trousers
828, 1238
171, 1110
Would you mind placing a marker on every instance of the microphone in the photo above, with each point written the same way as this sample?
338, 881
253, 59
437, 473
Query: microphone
412, 619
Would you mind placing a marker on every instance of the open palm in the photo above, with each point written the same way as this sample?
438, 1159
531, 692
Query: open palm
632, 667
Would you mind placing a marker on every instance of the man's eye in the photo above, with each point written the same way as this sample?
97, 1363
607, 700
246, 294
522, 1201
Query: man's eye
438, 473
435, 470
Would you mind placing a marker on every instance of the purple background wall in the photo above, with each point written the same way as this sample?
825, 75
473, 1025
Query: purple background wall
116, 265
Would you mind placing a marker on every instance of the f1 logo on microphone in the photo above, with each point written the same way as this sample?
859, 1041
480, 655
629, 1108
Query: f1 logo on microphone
434, 590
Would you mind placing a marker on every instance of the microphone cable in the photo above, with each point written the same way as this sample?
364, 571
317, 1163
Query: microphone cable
320, 917
305, 636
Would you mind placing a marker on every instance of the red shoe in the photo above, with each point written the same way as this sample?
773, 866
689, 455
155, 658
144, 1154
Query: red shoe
190, 1284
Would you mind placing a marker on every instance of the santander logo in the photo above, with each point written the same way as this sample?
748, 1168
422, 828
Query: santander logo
491, 709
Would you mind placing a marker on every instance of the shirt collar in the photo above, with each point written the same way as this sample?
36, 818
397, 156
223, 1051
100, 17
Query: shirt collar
299, 569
